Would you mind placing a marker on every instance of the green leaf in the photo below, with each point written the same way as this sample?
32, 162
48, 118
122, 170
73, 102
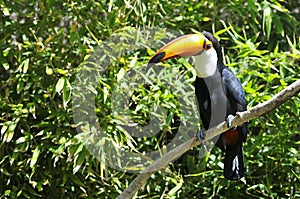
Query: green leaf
220, 32
5, 64
278, 25
20, 86
35, 156
5, 11
8, 129
105, 93
176, 188
120, 74
24, 65
4, 128
5, 52
66, 93
49, 70
267, 21
60, 84
76, 180
74, 37
281, 71
61, 71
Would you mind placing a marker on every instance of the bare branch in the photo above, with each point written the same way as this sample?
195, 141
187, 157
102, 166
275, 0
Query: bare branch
240, 118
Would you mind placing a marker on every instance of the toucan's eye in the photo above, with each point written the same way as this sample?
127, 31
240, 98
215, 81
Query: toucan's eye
208, 46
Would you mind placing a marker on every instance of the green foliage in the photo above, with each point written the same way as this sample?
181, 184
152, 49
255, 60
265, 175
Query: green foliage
43, 45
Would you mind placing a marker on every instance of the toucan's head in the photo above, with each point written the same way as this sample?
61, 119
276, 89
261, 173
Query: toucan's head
204, 46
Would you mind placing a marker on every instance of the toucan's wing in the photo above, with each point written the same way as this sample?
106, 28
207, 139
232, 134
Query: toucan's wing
234, 88
235, 91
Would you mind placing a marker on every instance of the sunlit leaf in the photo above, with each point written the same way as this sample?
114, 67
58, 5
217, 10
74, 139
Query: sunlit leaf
24, 65
67, 89
35, 156
120, 74
60, 84
267, 20
8, 129
49, 70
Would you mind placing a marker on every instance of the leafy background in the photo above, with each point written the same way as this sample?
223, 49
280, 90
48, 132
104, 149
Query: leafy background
43, 43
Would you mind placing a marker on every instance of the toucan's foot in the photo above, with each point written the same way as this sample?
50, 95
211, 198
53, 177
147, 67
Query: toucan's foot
204, 147
229, 121
201, 136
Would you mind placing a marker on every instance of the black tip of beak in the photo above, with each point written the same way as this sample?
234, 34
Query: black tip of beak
156, 59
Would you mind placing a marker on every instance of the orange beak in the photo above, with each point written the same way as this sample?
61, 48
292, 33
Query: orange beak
187, 45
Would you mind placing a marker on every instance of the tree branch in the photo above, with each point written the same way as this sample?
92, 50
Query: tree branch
238, 120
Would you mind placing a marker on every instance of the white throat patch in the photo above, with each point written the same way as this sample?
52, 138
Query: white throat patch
206, 63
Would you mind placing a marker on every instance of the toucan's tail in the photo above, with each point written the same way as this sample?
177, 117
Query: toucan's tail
234, 161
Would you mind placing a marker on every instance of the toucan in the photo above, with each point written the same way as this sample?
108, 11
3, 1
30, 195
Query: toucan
219, 94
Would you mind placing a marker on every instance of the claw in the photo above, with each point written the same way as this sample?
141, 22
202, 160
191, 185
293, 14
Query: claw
201, 136
229, 121
204, 147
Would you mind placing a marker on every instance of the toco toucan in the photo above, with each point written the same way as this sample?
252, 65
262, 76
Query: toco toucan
219, 94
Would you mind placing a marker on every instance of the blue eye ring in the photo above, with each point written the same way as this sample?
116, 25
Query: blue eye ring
208, 46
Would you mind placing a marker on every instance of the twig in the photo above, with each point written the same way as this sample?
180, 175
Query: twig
238, 120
